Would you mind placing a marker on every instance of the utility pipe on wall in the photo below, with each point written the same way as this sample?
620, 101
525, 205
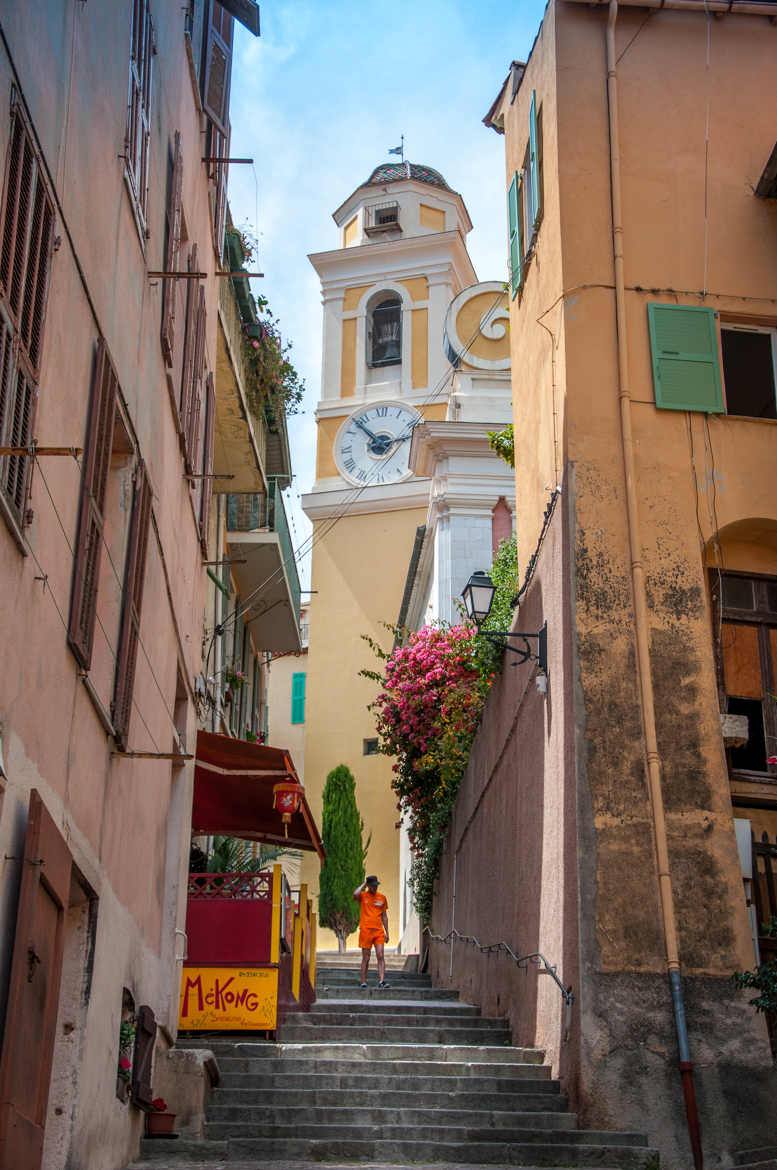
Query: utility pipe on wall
641, 626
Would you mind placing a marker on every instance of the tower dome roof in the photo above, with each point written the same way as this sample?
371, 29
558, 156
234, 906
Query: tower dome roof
397, 172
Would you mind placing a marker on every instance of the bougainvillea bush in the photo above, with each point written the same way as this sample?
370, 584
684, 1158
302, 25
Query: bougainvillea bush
433, 690
427, 713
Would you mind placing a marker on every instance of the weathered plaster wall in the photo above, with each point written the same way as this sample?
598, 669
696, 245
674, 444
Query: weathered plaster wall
126, 821
696, 477
512, 838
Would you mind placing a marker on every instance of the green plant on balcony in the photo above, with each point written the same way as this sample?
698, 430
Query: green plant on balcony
233, 678
273, 385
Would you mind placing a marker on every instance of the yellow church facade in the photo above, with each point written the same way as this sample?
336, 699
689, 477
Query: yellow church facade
401, 261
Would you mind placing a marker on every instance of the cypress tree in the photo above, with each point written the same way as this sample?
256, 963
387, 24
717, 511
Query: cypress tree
343, 870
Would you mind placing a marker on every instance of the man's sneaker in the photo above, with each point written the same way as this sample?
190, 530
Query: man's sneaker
362, 984
383, 983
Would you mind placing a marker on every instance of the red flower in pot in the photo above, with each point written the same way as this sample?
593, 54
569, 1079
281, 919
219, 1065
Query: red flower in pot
159, 1122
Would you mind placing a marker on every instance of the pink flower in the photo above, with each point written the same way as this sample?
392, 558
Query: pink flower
125, 1063
771, 759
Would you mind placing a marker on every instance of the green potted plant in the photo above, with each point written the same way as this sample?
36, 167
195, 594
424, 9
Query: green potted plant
160, 1122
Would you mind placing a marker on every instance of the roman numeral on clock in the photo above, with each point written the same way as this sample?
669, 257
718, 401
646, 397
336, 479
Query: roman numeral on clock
349, 464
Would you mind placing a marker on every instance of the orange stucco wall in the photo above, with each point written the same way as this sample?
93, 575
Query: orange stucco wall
697, 478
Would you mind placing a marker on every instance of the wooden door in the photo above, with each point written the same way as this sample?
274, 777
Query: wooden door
33, 997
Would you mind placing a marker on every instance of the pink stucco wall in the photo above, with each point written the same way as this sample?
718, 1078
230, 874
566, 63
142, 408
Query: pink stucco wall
126, 821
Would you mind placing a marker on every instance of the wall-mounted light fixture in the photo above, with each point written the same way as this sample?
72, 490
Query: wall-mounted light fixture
478, 595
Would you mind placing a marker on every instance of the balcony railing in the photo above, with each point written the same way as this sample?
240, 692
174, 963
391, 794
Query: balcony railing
259, 513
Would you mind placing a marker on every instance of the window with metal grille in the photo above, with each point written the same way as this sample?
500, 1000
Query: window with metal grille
138, 132
27, 235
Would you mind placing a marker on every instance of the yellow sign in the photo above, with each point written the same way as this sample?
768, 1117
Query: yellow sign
228, 998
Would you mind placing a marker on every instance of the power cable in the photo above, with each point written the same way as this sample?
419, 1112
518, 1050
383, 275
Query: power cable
97, 616
349, 502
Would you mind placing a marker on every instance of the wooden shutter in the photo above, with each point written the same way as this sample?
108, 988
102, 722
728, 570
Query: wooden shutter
516, 252
33, 996
192, 432
25, 262
94, 481
534, 163
686, 366
220, 172
129, 634
207, 460
298, 698
174, 218
138, 133
189, 343
141, 1093
216, 75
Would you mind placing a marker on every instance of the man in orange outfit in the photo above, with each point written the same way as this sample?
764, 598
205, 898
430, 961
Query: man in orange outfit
373, 926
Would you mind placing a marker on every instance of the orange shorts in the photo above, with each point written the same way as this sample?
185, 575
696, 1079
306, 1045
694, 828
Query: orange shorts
371, 936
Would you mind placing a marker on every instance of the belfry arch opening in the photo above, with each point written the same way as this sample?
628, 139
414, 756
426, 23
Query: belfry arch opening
384, 330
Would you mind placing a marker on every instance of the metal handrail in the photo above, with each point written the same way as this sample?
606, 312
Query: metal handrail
521, 961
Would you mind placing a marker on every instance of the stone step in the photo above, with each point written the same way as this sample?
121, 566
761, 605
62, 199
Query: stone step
326, 980
759, 1157
380, 1005
402, 1152
365, 1116
534, 1080
352, 959
418, 995
376, 1057
391, 1036
203, 1153
517, 1097
459, 1135
163, 1158
397, 1017
352, 971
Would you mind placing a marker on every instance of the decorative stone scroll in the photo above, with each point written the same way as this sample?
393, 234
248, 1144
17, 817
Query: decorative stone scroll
476, 333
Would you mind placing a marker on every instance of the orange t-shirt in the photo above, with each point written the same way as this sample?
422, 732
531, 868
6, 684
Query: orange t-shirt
373, 907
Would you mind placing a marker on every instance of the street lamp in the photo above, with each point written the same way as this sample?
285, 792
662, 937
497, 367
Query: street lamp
478, 595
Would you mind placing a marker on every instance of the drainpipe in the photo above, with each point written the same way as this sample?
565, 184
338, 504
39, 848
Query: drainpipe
647, 702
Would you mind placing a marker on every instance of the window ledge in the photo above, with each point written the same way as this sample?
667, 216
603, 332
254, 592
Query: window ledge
380, 229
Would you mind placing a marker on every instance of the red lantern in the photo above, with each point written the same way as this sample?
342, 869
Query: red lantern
286, 799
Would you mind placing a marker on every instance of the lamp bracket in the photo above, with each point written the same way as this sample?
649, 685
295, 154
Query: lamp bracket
523, 651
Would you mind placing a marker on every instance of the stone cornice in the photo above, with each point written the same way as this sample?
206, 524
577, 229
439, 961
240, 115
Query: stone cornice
433, 440
401, 258
352, 501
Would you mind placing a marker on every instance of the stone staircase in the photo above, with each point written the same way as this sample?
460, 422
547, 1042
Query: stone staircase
404, 1075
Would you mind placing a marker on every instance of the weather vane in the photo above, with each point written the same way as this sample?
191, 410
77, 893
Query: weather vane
400, 150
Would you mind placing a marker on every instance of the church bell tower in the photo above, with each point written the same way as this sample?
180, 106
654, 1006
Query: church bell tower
401, 260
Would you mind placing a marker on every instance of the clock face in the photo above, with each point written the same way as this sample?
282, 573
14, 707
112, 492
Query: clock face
373, 445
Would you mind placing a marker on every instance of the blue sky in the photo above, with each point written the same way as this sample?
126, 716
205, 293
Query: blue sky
317, 101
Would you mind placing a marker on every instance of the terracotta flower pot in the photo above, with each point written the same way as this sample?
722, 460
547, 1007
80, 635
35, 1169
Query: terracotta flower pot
159, 1123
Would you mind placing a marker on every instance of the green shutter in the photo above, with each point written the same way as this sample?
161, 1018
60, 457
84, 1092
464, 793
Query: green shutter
534, 164
684, 348
298, 698
516, 251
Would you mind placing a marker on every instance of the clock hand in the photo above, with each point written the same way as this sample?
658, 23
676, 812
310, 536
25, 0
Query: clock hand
366, 430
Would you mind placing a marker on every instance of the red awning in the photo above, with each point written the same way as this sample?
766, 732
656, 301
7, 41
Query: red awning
233, 783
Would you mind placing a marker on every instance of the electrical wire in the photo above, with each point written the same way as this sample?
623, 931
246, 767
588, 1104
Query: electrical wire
97, 616
356, 492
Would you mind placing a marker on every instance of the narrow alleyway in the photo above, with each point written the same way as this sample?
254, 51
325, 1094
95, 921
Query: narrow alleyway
401, 1076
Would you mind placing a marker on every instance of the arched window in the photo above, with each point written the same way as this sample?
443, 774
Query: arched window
385, 331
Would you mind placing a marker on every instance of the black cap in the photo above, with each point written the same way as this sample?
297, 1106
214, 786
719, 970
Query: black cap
372, 880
